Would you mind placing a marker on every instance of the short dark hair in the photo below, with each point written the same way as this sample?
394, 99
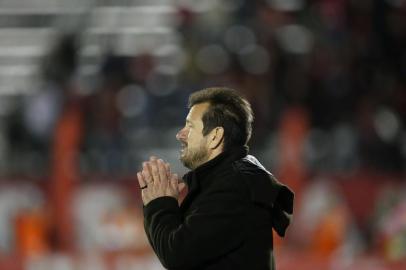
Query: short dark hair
227, 109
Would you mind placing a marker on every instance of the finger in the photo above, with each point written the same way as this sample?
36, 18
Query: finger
151, 159
162, 170
168, 170
154, 171
146, 173
141, 180
181, 186
174, 182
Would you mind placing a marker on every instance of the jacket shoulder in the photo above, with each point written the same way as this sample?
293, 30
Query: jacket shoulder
257, 178
251, 166
267, 191
263, 185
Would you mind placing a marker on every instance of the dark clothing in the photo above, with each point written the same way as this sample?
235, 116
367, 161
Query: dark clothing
226, 219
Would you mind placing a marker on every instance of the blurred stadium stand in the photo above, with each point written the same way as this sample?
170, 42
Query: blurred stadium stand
89, 89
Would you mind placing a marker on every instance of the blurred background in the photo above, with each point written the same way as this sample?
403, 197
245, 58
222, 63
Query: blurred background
91, 88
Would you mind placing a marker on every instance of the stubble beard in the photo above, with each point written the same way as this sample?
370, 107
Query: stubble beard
193, 158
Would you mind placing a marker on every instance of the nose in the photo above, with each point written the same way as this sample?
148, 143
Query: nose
181, 135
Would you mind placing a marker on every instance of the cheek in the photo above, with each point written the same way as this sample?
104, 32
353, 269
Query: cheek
190, 134
192, 137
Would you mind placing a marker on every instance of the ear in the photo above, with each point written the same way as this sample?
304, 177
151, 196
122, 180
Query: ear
216, 137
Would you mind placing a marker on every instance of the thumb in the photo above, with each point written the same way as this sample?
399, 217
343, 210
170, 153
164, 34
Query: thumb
181, 186
174, 181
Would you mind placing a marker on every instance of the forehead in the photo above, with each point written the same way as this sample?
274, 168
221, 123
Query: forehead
197, 111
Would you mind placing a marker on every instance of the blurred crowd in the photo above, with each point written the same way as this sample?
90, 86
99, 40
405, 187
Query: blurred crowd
342, 62
326, 79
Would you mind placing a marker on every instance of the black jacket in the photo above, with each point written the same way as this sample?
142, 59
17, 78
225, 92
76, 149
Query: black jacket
226, 219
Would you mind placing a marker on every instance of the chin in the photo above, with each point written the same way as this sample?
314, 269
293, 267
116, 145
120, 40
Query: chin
185, 164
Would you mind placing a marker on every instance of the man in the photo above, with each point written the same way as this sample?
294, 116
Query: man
233, 203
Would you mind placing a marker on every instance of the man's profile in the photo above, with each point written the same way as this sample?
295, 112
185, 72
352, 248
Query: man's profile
233, 203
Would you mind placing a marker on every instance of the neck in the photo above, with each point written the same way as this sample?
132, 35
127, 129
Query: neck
214, 153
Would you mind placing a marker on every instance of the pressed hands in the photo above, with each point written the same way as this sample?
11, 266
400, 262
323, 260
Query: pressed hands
156, 180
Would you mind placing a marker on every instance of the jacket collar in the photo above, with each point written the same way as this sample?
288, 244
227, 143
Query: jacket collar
225, 157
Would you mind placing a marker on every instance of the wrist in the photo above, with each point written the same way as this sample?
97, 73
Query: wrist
160, 202
150, 199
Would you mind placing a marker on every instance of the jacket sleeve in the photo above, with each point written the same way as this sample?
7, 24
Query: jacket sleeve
210, 230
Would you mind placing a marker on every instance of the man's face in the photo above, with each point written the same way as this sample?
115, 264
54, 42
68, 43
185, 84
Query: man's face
194, 145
